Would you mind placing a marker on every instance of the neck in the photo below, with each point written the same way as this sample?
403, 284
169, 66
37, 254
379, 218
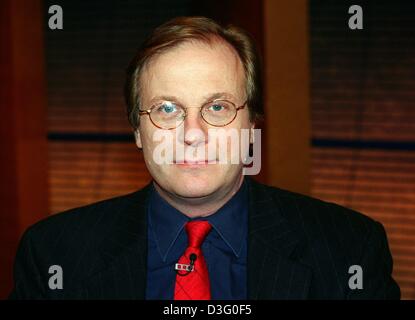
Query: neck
202, 206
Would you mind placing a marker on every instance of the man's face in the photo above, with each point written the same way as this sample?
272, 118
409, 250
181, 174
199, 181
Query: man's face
192, 74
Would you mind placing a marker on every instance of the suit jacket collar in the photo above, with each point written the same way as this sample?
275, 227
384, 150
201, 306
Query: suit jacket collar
274, 269
124, 250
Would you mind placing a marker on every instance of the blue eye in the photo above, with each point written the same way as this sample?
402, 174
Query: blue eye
216, 107
168, 108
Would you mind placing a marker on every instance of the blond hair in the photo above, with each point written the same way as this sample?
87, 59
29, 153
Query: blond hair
180, 30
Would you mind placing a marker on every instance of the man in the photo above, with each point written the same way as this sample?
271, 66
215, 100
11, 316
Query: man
201, 229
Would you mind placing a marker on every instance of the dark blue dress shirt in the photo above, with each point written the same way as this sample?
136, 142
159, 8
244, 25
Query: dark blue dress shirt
225, 247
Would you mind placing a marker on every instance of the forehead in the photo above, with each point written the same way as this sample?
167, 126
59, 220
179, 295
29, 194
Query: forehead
193, 69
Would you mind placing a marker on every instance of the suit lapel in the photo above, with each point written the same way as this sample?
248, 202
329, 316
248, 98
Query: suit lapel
274, 269
122, 271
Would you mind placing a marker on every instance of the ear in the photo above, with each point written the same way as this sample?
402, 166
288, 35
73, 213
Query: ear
137, 136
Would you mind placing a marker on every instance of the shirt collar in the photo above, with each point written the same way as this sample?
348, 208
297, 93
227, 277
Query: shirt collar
230, 221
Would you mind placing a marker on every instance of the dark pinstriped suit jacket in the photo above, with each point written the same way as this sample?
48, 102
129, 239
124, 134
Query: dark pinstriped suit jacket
298, 248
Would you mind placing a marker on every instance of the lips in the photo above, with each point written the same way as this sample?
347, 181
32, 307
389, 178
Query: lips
194, 162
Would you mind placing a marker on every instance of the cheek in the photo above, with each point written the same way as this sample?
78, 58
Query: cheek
147, 132
242, 120
245, 120
148, 144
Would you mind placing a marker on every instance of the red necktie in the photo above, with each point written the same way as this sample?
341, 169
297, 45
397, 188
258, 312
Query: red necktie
193, 285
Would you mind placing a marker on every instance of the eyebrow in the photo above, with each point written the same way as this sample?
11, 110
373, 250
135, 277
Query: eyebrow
219, 95
208, 97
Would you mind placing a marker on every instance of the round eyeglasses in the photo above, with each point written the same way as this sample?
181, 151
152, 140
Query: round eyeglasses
169, 115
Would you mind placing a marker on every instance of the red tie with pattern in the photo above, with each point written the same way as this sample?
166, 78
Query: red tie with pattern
193, 285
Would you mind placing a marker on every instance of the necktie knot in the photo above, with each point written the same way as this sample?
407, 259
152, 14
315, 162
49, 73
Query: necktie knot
197, 232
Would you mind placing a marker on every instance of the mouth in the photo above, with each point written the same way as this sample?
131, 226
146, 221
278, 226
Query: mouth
193, 163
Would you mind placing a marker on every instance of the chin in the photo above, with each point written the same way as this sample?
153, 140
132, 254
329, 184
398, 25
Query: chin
193, 182
195, 185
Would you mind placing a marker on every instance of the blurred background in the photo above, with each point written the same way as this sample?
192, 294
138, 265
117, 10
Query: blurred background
340, 107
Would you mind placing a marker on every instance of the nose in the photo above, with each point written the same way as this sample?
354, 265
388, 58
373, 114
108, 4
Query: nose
195, 128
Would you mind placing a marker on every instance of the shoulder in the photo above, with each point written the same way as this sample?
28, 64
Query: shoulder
75, 239
324, 224
335, 241
296, 206
76, 242
82, 221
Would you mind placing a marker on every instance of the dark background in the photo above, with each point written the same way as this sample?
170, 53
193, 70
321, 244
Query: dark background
361, 106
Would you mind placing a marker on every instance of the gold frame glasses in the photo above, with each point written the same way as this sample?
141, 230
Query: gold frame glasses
204, 112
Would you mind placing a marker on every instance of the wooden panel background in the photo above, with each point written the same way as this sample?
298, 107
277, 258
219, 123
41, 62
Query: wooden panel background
363, 118
23, 156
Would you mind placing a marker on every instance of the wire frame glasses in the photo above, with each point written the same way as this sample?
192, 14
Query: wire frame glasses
169, 115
